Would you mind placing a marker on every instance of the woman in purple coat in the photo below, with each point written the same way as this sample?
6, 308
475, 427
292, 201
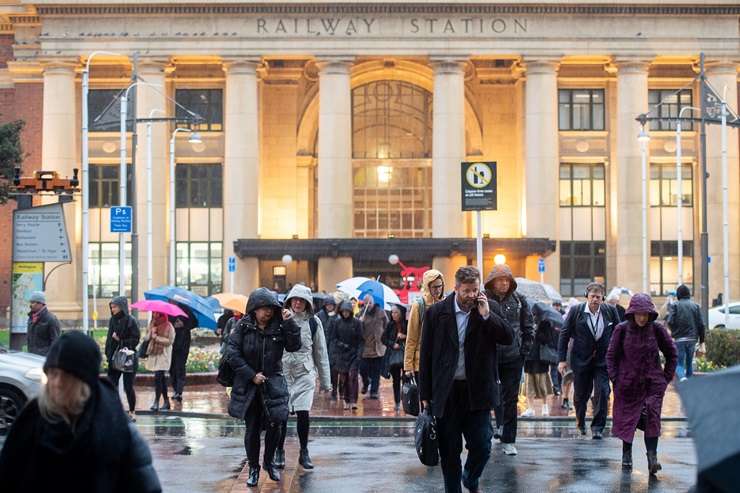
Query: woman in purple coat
639, 380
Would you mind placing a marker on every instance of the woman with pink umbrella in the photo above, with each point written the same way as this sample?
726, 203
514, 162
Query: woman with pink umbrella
159, 338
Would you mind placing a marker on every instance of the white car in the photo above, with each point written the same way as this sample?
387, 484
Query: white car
21, 375
717, 317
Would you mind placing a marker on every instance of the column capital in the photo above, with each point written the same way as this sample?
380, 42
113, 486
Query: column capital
60, 65
341, 65
721, 67
154, 65
448, 64
241, 65
540, 65
631, 65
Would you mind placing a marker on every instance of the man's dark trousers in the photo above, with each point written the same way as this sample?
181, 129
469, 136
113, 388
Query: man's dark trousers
459, 421
585, 380
510, 376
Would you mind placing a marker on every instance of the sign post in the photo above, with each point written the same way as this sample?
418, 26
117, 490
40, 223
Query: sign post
232, 269
541, 269
479, 185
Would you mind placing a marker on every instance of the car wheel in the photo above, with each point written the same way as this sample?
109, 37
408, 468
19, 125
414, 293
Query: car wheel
11, 403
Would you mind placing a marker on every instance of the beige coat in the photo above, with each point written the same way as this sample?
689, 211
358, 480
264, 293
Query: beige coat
159, 350
413, 335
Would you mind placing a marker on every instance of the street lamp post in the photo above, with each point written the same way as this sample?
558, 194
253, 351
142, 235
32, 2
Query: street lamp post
679, 193
194, 139
644, 139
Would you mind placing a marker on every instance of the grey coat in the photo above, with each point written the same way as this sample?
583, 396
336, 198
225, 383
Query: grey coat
43, 332
300, 367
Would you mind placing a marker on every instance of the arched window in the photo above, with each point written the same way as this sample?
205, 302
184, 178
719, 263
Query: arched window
392, 150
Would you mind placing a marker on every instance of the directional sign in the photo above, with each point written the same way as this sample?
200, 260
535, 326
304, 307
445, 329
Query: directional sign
232, 264
40, 235
479, 185
541, 265
121, 219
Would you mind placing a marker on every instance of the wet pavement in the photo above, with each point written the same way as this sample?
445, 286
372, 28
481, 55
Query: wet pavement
206, 455
213, 400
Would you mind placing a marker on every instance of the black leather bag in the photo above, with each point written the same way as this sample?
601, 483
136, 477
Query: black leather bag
395, 359
225, 373
410, 396
425, 436
143, 350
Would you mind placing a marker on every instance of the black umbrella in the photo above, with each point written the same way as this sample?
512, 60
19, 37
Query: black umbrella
712, 405
542, 311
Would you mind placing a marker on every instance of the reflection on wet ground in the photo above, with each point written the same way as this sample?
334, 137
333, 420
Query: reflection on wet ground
200, 455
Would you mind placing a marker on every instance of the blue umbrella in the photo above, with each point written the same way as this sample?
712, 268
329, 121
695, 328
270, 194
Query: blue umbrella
374, 289
202, 308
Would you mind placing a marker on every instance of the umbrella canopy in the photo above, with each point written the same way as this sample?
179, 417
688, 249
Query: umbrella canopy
711, 403
537, 291
159, 306
232, 301
354, 288
542, 311
202, 308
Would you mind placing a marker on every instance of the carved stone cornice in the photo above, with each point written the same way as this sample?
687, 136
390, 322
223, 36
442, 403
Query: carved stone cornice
388, 9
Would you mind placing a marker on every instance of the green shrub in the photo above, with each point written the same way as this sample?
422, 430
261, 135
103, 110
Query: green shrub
702, 364
723, 347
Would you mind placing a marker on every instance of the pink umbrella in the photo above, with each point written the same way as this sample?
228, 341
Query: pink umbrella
159, 306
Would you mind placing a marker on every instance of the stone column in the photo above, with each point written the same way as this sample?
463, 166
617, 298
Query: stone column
448, 148
542, 159
632, 100
241, 169
334, 195
335, 150
59, 151
722, 74
150, 98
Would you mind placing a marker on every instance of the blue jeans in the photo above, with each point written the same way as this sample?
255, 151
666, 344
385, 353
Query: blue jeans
685, 366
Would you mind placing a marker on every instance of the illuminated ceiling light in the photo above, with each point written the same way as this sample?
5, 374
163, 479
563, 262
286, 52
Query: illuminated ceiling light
384, 174
499, 259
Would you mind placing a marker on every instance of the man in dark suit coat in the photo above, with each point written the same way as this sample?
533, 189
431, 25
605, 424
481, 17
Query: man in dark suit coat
590, 325
456, 375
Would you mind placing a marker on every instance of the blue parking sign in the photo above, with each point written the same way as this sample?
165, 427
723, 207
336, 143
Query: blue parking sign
541, 265
232, 264
121, 219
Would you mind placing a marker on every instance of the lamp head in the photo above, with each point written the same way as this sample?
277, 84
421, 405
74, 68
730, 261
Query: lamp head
195, 138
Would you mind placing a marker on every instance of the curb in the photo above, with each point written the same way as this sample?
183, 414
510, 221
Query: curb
208, 378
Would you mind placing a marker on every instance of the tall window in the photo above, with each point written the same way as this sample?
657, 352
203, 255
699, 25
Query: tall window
199, 185
581, 109
392, 149
104, 185
664, 222
582, 226
104, 269
666, 104
104, 108
207, 103
199, 227
198, 266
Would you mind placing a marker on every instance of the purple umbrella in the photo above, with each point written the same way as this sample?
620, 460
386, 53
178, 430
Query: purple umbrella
159, 306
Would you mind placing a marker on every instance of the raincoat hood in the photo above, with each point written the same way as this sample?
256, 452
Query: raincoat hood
345, 306
261, 298
641, 303
302, 292
429, 277
122, 303
497, 272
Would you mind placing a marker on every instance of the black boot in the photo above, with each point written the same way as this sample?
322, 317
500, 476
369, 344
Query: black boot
254, 476
166, 404
279, 460
304, 459
626, 455
272, 471
653, 464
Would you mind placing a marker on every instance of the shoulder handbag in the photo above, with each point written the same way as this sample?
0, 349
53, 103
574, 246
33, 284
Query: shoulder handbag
143, 349
225, 372
124, 360
410, 396
425, 436
395, 359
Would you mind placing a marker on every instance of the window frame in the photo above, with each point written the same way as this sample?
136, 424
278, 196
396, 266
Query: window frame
96, 185
662, 167
569, 104
591, 179
114, 125
667, 286
667, 123
572, 256
209, 124
186, 184
96, 250
212, 287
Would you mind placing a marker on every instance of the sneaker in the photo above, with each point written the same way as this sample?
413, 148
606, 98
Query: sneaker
354, 406
498, 432
346, 406
683, 379
545, 410
509, 449
528, 413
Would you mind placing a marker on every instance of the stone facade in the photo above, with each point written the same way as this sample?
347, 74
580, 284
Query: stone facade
287, 73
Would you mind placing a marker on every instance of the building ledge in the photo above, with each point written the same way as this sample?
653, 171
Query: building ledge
412, 250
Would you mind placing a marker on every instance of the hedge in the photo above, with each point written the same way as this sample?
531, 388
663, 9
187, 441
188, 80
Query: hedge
723, 347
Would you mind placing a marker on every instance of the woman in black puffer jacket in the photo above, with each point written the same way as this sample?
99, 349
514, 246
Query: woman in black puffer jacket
123, 332
347, 346
259, 396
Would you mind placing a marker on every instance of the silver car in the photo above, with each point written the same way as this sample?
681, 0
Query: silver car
21, 376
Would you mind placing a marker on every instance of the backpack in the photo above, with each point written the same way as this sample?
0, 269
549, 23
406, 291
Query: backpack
314, 326
422, 310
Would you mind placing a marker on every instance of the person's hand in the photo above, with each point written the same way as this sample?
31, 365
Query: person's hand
562, 367
218, 332
401, 336
483, 308
425, 404
701, 350
259, 379
287, 314
396, 346
327, 389
115, 337
408, 373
